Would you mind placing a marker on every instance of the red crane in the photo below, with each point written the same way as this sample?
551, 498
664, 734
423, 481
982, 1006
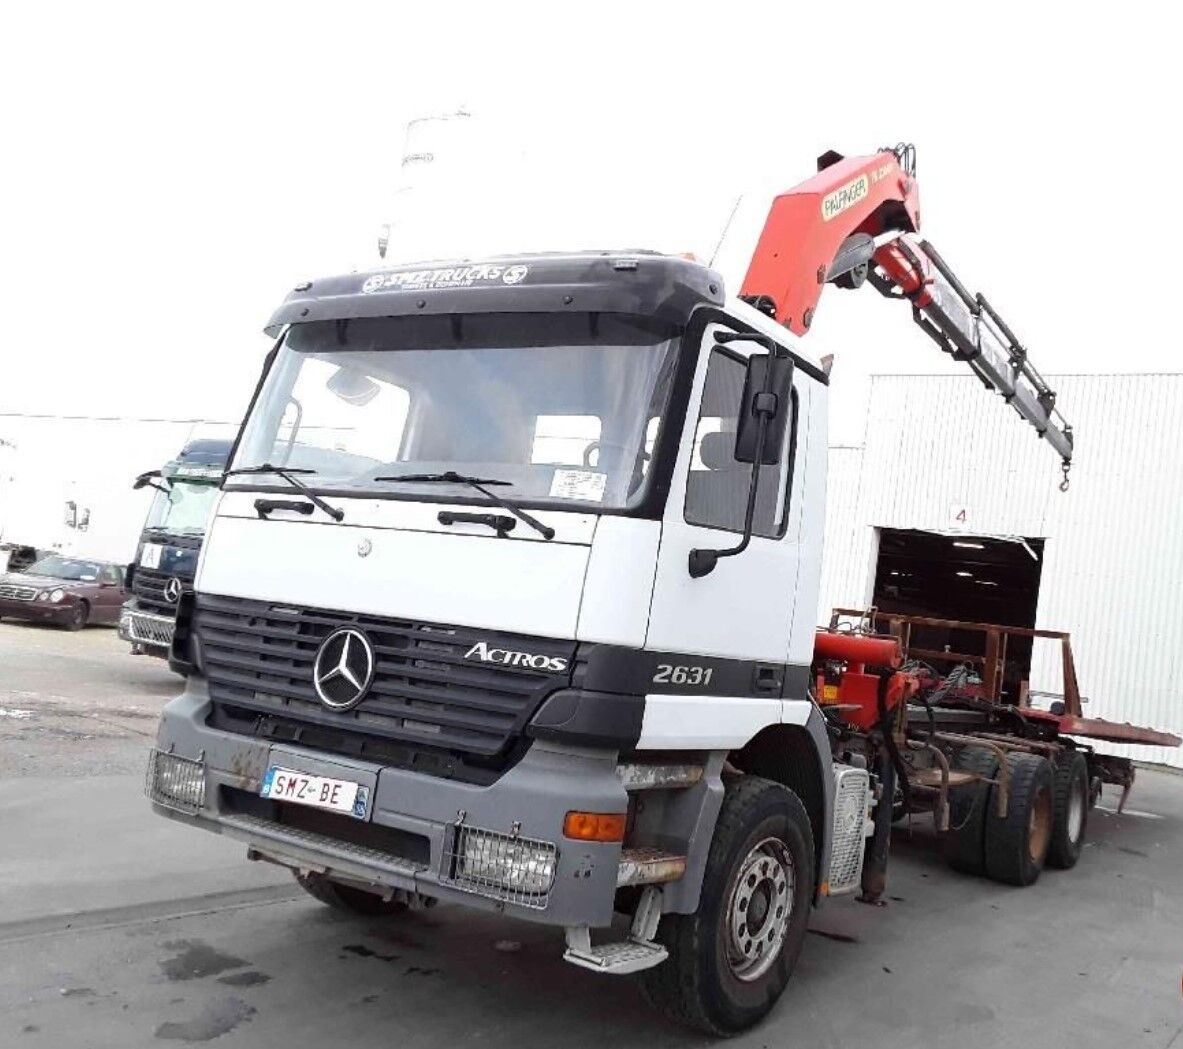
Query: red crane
858, 220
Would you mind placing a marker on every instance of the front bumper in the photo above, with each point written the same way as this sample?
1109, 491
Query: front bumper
153, 633
37, 611
418, 825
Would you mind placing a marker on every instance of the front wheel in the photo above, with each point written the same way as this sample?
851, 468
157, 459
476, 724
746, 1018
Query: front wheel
79, 615
730, 961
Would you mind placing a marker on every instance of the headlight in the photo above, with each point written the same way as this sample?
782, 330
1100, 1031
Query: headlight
175, 781
43, 596
56, 595
520, 865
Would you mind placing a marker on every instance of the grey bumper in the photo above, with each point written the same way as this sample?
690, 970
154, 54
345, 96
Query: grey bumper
528, 803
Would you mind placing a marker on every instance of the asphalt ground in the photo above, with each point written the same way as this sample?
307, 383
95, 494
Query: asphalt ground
121, 929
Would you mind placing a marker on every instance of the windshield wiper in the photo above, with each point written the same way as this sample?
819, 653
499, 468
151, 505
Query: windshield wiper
286, 473
479, 484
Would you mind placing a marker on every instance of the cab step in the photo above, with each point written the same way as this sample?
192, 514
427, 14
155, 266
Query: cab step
644, 866
638, 952
617, 959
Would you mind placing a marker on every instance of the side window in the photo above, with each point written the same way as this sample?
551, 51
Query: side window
717, 485
111, 574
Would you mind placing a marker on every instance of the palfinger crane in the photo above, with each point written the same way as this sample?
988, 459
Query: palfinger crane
858, 221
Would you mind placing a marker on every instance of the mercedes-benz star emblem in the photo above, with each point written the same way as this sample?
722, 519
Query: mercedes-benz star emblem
364, 548
172, 590
343, 669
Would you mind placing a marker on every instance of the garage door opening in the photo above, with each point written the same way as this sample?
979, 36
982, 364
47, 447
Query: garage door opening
974, 579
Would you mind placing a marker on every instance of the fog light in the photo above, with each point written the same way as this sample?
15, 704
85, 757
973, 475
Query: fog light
174, 781
503, 866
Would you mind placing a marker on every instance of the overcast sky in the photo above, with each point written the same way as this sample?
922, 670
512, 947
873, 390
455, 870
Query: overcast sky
170, 171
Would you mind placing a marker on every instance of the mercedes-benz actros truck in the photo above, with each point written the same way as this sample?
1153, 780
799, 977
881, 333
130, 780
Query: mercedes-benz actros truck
509, 596
166, 555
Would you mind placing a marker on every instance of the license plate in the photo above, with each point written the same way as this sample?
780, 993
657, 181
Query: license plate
318, 792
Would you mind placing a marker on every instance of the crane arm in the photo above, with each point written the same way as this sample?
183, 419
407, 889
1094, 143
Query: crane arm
858, 220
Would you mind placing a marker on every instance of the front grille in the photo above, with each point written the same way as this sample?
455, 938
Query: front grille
17, 593
148, 588
258, 656
148, 629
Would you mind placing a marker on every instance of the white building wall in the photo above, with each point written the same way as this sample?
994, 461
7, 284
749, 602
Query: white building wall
848, 562
47, 460
1113, 561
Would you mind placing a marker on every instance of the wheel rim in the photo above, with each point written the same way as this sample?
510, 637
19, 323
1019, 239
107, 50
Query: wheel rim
1039, 826
79, 615
759, 909
1076, 803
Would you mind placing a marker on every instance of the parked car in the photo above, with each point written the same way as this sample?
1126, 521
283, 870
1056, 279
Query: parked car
68, 591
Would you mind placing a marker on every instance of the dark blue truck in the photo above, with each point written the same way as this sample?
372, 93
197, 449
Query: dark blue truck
166, 557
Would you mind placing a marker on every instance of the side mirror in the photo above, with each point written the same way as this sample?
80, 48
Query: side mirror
763, 396
147, 480
765, 413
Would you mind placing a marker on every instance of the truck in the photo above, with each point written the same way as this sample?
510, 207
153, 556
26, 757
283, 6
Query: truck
170, 542
509, 596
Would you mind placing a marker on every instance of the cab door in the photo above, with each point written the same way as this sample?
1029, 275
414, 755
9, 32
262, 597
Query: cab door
744, 608
108, 598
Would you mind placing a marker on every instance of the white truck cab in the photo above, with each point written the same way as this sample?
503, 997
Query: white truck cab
497, 608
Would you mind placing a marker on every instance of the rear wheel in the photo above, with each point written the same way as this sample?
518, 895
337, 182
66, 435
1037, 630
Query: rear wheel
79, 615
1017, 846
348, 898
1070, 810
968, 806
730, 961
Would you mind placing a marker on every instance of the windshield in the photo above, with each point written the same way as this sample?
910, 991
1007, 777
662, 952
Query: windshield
57, 567
563, 407
184, 508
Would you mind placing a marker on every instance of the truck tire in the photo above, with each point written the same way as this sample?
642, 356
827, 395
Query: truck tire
1016, 847
348, 898
723, 975
968, 807
1070, 810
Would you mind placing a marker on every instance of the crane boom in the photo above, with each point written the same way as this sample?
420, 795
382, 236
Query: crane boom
858, 220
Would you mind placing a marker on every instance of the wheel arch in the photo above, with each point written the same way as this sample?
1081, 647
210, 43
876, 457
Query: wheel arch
788, 755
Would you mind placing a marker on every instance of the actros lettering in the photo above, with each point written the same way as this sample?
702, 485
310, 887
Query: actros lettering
507, 657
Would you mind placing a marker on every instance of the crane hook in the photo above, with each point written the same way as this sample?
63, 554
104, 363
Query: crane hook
1065, 466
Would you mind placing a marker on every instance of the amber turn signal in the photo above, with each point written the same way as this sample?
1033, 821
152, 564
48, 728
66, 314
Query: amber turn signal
594, 826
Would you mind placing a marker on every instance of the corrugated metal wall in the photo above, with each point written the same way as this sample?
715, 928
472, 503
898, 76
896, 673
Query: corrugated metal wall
1113, 562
